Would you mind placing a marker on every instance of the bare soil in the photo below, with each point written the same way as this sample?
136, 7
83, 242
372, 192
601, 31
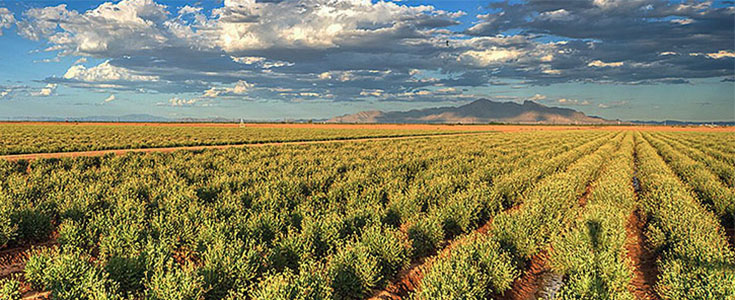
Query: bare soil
642, 259
528, 285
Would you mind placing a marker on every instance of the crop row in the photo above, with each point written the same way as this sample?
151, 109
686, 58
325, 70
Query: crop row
700, 144
322, 221
694, 259
725, 171
36, 138
706, 185
591, 255
491, 262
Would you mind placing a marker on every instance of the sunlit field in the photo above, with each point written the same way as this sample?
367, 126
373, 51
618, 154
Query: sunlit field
602, 213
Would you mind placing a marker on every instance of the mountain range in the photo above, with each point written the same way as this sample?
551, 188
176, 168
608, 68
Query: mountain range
478, 111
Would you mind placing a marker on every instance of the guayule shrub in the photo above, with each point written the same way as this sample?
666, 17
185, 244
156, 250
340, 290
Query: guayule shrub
73, 234
33, 224
475, 269
425, 234
228, 265
353, 272
69, 274
10, 289
8, 230
390, 247
306, 285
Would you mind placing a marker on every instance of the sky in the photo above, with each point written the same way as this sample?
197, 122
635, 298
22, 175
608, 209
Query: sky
314, 59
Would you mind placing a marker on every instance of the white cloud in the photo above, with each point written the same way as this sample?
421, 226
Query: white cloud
240, 88
537, 97
176, 101
667, 53
6, 19
46, 91
372, 92
320, 24
721, 54
105, 72
601, 64
684, 21
81, 60
488, 57
110, 99
110, 28
566, 101
556, 15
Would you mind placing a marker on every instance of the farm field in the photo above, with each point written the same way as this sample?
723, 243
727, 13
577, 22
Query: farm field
520, 212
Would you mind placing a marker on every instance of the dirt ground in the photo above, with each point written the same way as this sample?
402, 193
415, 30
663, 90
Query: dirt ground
479, 127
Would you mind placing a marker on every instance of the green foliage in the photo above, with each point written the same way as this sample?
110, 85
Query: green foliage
696, 261
306, 285
33, 138
475, 269
10, 289
69, 275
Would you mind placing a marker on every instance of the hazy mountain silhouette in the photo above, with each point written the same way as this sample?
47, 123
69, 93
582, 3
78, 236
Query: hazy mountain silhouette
479, 111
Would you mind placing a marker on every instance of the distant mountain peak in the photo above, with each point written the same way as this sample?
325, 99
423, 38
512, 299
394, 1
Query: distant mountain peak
478, 111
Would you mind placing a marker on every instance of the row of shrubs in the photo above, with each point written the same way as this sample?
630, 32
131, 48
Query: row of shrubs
292, 222
707, 186
35, 138
723, 165
591, 256
694, 259
490, 263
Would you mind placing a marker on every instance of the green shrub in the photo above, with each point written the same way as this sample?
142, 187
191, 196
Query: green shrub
425, 234
475, 269
228, 265
69, 276
174, 283
33, 225
306, 285
127, 272
10, 289
72, 233
353, 273
390, 248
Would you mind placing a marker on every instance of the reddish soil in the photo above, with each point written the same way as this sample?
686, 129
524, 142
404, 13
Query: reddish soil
528, 285
13, 261
643, 260
31, 156
408, 280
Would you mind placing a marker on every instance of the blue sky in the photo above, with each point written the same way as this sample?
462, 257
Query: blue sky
289, 59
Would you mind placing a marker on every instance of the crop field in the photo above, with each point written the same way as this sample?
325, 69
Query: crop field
604, 213
19, 138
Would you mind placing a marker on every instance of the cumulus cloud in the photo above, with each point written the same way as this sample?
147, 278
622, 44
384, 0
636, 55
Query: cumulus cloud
240, 88
176, 101
721, 54
641, 33
537, 97
104, 72
344, 50
601, 64
576, 102
46, 91
7, 19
